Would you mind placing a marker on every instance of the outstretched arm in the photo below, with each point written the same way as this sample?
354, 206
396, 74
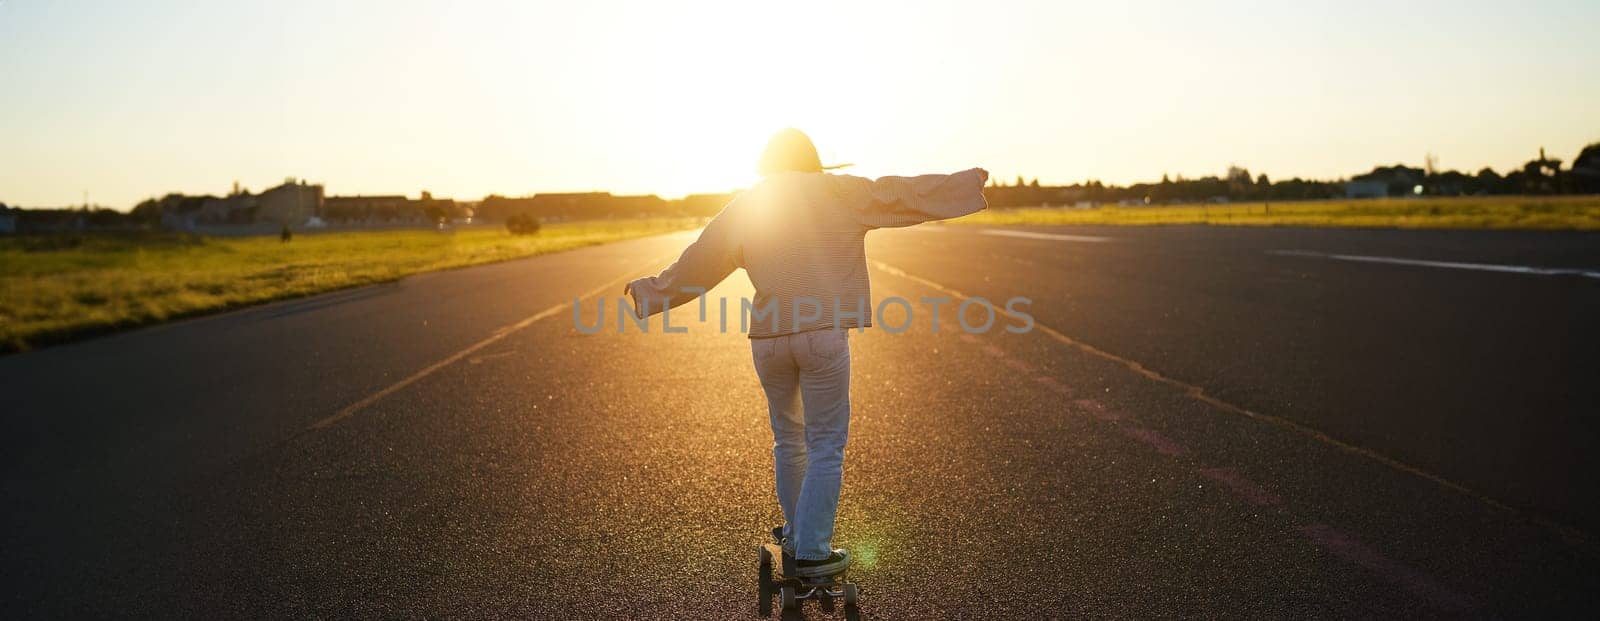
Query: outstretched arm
701, 266
904, 201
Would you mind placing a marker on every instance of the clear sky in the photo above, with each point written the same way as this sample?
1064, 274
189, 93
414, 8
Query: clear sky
126, 100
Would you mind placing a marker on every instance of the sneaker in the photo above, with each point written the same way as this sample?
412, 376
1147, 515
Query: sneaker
820, 568
777, 534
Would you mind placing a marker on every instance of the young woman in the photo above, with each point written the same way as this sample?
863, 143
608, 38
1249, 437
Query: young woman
800, 235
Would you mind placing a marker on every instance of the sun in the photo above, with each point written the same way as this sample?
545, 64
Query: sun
716, 84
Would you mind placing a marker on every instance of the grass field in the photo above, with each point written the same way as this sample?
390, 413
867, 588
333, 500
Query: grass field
55, 288
1475, 212
60, 287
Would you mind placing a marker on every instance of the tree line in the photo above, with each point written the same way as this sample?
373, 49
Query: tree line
1541, 176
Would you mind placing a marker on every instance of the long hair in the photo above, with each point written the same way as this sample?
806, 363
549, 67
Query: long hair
789, 150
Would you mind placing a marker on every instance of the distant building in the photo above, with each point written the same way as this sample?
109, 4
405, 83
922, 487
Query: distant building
580, 205
237, 209
704, 204
1586, 170
1396, 180
391, 209
378, 209
564, 205
641, 205
8, 223
1366, 189
290, 203
62, 220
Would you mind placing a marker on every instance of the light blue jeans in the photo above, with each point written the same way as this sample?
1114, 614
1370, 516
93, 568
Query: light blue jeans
808, 444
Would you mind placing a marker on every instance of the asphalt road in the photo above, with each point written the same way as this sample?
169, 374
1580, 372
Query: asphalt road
1204, 422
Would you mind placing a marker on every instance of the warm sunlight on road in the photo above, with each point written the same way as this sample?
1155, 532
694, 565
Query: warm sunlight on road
1218, 310
454, 444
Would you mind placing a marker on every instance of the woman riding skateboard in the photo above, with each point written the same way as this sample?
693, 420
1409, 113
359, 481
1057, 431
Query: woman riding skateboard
800, 236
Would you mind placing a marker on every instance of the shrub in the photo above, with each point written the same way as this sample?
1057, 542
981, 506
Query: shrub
520, 224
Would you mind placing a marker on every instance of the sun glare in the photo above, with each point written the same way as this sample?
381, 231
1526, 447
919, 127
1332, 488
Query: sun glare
722, 80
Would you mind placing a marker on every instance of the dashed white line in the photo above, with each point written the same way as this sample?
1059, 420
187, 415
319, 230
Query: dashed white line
1453, 265
1097, 410
1199, 394
1252, 493
1347, 547
1156, 441
1054, 384
480, 359
504, 331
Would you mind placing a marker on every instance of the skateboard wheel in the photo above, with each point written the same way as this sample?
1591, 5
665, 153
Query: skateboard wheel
851, 595
787, 597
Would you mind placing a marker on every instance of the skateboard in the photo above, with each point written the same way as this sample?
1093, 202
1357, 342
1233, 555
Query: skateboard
791, 589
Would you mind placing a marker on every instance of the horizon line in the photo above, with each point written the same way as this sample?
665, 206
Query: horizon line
995, 181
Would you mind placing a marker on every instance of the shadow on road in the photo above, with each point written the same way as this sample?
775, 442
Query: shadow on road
852, 613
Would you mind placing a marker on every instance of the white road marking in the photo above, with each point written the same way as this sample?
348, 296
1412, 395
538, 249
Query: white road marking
1419, 583
1050, 236
500, 333
480, 359
1199, 394
1481, 267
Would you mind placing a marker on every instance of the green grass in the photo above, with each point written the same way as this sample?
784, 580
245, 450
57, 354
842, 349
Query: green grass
1486, 212
56, 288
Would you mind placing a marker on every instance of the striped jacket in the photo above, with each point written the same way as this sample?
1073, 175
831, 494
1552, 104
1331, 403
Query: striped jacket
801, 238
